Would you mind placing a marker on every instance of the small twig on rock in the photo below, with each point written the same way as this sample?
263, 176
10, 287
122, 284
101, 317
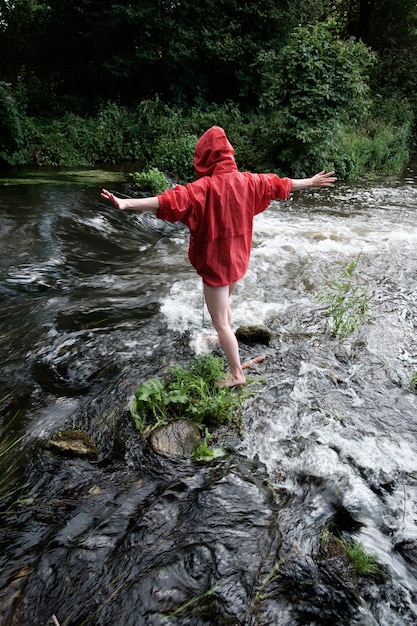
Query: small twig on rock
55, 621
248, 364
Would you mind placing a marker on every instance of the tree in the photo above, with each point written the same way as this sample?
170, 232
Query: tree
314, 86
389, 27
182, 50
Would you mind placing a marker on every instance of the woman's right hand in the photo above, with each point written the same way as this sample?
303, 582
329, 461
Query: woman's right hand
119, 203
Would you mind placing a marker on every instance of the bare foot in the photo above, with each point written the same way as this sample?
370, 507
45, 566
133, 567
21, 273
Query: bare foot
231, 381
235, 381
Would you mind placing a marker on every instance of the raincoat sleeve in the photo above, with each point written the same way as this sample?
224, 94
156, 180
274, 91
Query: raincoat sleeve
281, 187
270, 187
174, 205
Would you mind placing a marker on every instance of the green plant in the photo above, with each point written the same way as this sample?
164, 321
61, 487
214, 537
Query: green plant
204, 453
152, 180
380, 144
346, 303
191, 393
149, 407
363, 562
175, 155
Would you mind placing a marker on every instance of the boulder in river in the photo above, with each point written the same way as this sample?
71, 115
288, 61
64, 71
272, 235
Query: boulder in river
177, 440
254, 334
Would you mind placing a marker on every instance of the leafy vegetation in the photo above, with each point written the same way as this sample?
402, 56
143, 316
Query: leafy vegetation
176, 155
11, 131
116, 134
192, 393
294, 90
308, 107
152, 180
346, 303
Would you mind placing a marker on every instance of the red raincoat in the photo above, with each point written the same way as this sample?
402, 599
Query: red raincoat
219, 208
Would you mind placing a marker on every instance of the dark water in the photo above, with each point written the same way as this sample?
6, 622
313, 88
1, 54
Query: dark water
93, 302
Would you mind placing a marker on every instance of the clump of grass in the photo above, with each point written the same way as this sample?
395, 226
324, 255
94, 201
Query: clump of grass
363, 562
345, 301
413, 382
191, 393
9, 482
152, 180
9, 463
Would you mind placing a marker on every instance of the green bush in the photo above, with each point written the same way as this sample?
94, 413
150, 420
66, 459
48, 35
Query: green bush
175, 155
382, 144
313, 86
117, 136
380, 149
154, 135
154, 124
12, 118
62, 142
74, 140
152, 180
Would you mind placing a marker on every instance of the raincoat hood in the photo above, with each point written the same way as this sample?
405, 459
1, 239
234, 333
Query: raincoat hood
219, 209
214, 154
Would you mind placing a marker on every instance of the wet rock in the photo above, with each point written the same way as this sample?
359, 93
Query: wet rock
74, 443
336, 566
254, 334
408, 549
322, 586
176, 440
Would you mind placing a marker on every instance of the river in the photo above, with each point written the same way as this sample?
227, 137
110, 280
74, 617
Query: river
95, 301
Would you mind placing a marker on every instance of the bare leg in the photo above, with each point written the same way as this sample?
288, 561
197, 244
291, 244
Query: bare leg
232, 287
217, 300
215, 338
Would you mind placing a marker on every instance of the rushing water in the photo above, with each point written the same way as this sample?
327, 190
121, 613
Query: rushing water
94, 301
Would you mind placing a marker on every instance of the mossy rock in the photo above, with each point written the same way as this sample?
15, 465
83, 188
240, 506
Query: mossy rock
254, 334
73, 443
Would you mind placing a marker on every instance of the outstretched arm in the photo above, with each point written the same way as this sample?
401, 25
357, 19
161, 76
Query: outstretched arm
321, 179
132, 204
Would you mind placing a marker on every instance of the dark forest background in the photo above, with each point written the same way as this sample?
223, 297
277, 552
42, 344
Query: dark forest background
297, 85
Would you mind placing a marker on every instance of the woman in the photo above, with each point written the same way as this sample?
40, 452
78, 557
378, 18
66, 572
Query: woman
218, 209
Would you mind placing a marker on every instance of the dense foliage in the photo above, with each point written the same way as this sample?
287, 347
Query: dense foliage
303, 92
296, 85
182, 50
